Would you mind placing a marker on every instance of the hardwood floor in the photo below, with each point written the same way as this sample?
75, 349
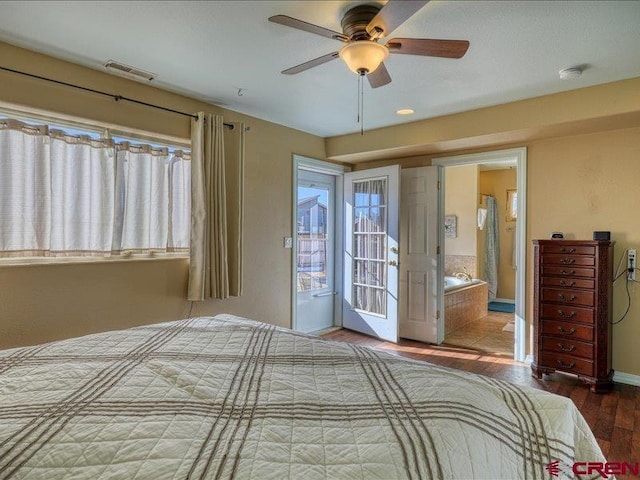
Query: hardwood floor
614, 417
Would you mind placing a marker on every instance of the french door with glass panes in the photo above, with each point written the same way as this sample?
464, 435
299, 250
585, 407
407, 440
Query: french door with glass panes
371, 252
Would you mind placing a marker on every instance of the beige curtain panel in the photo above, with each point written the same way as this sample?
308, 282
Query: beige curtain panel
217, 178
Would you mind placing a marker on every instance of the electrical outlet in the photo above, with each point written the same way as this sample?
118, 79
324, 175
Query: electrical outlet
288, 242
631, 264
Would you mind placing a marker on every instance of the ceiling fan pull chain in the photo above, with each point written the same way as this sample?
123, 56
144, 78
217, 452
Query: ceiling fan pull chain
358, 101
361, 101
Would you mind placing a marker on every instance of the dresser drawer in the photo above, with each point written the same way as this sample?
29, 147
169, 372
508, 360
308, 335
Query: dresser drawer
567, 330
569, 260
568, 271
568, 282
567, 363
568, 296
569, 249
567, 347
567, 312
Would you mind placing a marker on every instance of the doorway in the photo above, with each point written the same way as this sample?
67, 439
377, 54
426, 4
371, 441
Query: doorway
316, 237
497, 159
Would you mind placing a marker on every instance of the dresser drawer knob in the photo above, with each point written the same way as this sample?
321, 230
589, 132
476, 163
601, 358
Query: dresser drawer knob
565, 284
570, 332
564, 365
567, 250
567, 261
564, 272
566, 315
569, 299
566, 349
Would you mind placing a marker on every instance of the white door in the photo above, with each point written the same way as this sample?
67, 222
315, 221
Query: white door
419, 254
315, 228
370, 303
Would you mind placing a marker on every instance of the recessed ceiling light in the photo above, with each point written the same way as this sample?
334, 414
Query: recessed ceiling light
570, 73
405, 111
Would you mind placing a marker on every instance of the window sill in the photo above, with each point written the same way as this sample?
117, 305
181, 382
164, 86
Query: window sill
29, 261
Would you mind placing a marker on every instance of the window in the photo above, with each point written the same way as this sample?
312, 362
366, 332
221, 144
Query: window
512, 205
71, 192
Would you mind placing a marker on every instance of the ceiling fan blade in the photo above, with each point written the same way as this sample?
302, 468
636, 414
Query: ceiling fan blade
392, 15
429, 47
307, 27
311, 63
379, 77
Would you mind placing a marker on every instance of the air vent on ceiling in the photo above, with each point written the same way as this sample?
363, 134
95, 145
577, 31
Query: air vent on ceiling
129, 71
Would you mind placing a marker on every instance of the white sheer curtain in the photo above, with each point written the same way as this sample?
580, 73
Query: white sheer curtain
64, 195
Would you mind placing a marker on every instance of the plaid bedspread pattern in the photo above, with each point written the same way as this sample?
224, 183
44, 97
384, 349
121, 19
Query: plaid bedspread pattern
226, 397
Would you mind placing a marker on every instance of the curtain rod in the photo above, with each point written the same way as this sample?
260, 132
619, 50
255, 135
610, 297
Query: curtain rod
106, 94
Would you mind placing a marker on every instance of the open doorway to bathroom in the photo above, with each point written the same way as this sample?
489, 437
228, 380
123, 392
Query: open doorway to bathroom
482, 249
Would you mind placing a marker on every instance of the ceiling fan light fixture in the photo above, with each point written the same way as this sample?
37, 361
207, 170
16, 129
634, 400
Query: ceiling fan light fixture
363, 56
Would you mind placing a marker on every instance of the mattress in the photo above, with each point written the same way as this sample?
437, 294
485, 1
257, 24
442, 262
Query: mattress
225, 397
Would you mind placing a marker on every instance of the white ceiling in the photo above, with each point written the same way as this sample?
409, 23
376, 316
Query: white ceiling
210, 49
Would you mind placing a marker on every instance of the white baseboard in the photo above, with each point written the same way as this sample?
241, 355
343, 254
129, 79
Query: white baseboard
626, 378
503, 300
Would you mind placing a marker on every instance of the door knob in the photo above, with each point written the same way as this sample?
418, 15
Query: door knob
393, 263
394, 250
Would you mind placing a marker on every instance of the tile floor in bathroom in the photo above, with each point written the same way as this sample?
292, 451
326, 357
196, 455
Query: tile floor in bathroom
485, 334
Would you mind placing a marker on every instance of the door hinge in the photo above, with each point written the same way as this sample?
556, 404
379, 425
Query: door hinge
438, 250
438, 184
437, 314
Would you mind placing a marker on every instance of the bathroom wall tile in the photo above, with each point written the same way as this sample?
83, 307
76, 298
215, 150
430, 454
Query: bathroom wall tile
458, 263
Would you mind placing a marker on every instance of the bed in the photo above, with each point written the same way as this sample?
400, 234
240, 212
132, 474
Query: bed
226, 397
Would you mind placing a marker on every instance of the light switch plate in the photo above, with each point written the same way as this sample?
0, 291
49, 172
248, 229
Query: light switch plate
288, 242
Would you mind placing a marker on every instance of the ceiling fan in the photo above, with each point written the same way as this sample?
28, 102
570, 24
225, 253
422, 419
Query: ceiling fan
362, 27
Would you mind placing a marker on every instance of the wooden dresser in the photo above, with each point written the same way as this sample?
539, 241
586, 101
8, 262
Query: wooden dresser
572, 309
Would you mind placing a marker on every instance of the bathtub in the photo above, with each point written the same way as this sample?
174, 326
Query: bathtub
454, 283
464, 302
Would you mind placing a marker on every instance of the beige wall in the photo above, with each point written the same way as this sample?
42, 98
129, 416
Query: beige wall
584, 183
496, 183
46, 302
461, 194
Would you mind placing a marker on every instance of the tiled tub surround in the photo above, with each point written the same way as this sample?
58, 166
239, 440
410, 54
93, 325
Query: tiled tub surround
459, 263
464, 304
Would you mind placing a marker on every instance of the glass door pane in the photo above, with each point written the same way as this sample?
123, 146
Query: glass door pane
369, 246
313, 237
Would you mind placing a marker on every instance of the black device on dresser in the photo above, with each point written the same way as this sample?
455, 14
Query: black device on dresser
572, 309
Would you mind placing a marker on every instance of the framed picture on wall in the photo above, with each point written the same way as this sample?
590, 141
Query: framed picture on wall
450, 226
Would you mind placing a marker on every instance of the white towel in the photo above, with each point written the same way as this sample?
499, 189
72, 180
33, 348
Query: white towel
482, 217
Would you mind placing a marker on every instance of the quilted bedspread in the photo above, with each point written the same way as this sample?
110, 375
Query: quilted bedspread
225, 397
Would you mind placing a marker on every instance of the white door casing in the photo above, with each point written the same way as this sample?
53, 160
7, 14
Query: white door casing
370, 296
300, 166
519, 156
419, 280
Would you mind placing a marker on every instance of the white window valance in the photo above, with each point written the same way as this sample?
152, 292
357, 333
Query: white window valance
73, 195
